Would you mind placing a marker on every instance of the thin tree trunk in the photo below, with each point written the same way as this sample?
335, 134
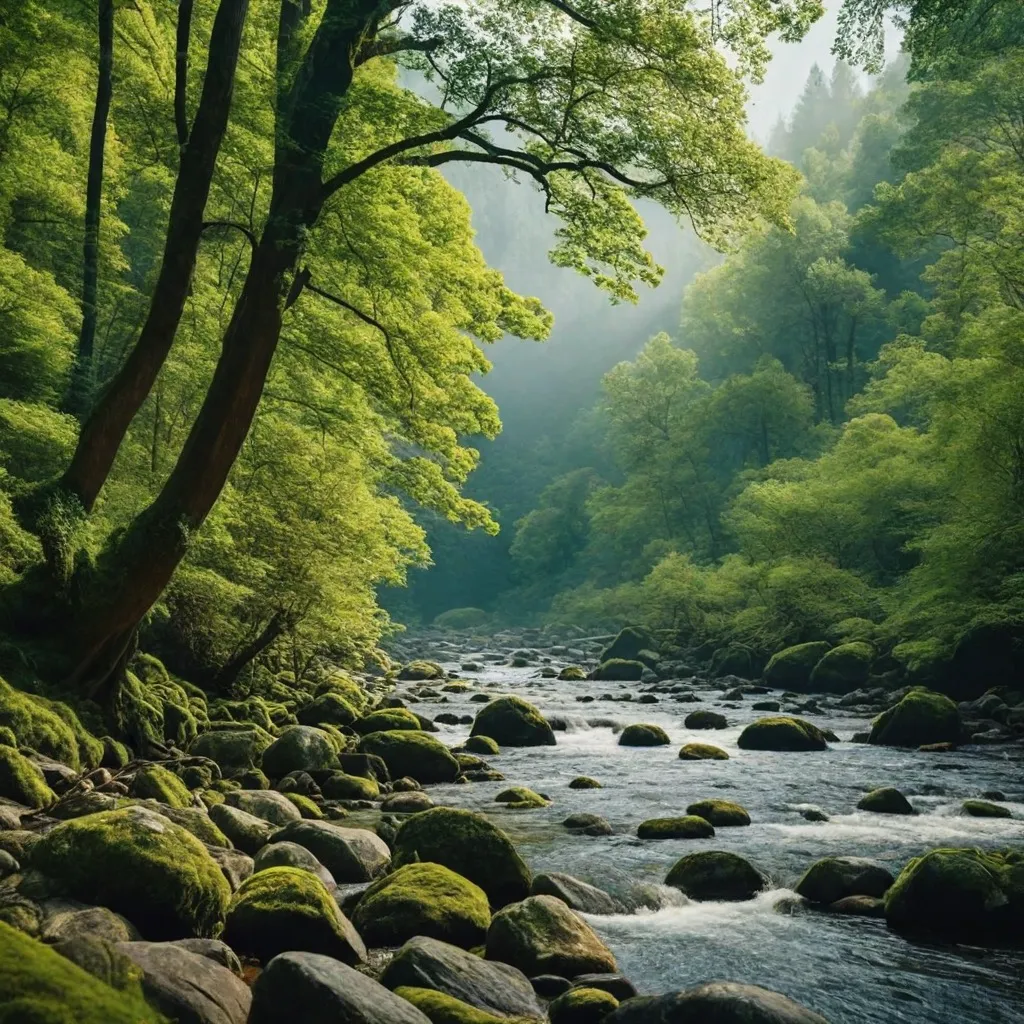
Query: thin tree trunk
80, 388
108, 423
230, 671
181, 70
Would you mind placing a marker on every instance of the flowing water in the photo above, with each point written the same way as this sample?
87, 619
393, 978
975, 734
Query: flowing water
849, 969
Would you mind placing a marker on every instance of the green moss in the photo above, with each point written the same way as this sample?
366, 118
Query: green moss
482, 745
423, 899
844, 668
783, 733
442, 1008
791, 669
412, 754
39, 986
513, 722
329, 708
196, 821
960, 895
640, 734
620, 669
252, 778
702, 752
341, 786
520, 798
138, 864
387, 720
38, 726
284, 909
348, 688
7, 737
115, 753
689, 826
139, 715
307, 808
720, 813
584, 782
18, 842
582, 1006
156, 783
22, 781
196, 776
417, 670
921, 717
211, 797
572, 673
715, 875
230, 746
300, 748
469, 845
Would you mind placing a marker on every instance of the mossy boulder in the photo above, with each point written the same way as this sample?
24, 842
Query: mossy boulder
285, 909
620, 669
306, 807
232, 748
886, 800
702, 752
44, 726
350, 854
469, 845
246, 831
705, 720
584, 782
139, 864
689, 826
960, 895
733, 660
513, 722
266, 804
541, 935
330, 708
715, 875
300, 748
520, 798
22, 781
39, 986
835, 878
572, 673
412, 754
922, 717
628, 644
342, 786
715, 1002
441, 1008
720, 813
985, 809
420, 670
462, 618
782, 733
156, 783
582, 1006
480, 744
423, 899
791, 668
387, 720
641, 734
844, 668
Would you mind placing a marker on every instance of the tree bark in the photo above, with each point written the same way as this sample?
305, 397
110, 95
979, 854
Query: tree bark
230, 671
181, 70
108, 423
80, 387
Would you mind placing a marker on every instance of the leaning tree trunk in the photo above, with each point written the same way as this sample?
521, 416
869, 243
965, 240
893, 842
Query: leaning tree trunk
104, 430
80, 387
230, 671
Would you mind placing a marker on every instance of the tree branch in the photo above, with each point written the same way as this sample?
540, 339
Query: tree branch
236, 227
181, 70
396, 44
571, 12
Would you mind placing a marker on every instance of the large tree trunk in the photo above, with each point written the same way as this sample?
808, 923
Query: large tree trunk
80, 387
108, 423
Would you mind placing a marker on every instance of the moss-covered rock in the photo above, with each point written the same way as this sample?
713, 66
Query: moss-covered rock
306, 807
441, 1008
520, 798
641, 734
387, 720
689, 826
39, 986
139, 864
584, 782
299, 748
513, 722
283, 909
232, 748
886, 800
415, 754
783, 733
330, 708
462, 618
342, 786
350, 854
37, 724
960, 895
715, 875
733, 660
423, 899
582, 1006
835, 878
156, 783
246, 831
541, 935
844, 668
7, 737
720, 813
705, 720
195, 820
469, 845
791, 668
266, 804
985, 809
628, 644
620, 669
715, 1002
419, 670
702, 752
22, 781
922, 717
482, 745
572, 673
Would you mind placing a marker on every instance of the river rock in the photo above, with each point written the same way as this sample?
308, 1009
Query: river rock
985, 809
791, 668
232, 749
317, 989
469, 845
582, 1006
705, 720
886, 800
834, 878
584, 782
342, 786
689, 826
349, 854
720, 813
621, 670
921, 717
716, 1002
513, 722
702, 752
413, 754
291, 855
67, 919
249, 833
843, 669
264, 803
641, 734
187, 987
618, 986
715, 875
329, 709
215, 950
541, 935
628, 644
587, 824
575, 894
782, 733
859, 906
489, 986
299, 748
234, 865
407, 803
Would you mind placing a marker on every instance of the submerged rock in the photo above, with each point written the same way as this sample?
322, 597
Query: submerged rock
985, 809
575, 894
584, 782
705, 720
587, 824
